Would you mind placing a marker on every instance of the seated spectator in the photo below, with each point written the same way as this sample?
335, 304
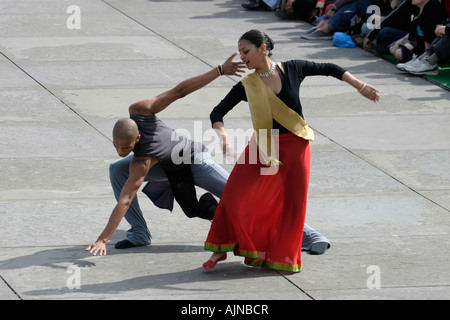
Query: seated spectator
421, 32
439, 51
383, 8
392, 27
322, 6
297, 9
337, 17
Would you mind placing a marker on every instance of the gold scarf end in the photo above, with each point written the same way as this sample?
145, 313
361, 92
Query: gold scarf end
273, 163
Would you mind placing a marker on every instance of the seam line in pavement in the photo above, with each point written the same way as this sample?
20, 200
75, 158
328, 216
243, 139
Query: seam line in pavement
295, 285
53, 94
11, 288
161, 36
386, 173
153, 31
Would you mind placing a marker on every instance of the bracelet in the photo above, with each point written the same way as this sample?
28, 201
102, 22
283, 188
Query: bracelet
362, 88
219, 68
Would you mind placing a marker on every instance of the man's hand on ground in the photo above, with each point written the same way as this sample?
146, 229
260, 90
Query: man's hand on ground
97, 247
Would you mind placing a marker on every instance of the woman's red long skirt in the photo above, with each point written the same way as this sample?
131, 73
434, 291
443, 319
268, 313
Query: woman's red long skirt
261, 213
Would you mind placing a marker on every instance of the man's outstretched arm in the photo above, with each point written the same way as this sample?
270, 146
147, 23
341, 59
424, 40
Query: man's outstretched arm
160, 102
139, 168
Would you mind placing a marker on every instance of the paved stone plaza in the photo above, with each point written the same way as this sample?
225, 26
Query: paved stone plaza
380, 176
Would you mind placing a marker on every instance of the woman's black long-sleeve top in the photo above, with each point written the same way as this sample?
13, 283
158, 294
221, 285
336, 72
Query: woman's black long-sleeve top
294, 73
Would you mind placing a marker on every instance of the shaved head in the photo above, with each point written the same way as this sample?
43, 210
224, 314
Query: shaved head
125, 129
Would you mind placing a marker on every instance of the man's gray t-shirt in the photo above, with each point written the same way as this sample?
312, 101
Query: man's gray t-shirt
160, 142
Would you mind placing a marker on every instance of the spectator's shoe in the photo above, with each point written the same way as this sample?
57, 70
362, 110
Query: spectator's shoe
422, 67
318, 35
254, 5
310, 31
283, 15
403, 66
413, 63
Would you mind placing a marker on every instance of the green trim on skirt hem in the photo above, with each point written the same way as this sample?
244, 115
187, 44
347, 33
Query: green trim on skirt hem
275, 265
253, 255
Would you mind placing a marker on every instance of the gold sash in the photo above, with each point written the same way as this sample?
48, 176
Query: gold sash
265, 106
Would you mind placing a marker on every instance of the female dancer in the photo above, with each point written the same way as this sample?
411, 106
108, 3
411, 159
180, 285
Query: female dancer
261, 213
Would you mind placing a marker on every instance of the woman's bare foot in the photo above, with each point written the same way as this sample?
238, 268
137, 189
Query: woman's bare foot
215, 257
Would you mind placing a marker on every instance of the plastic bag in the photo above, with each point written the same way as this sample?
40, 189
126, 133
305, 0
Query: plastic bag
343, 40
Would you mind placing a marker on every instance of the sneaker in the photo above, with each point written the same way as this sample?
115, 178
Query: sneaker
317, 35
400, 66
403, 66
422, 67
310, 31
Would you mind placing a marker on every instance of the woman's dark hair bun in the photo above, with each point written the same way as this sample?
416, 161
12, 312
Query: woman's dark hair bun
257, 37
269, 42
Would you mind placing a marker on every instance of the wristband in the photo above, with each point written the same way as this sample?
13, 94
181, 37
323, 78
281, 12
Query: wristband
219, 68
362, 88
